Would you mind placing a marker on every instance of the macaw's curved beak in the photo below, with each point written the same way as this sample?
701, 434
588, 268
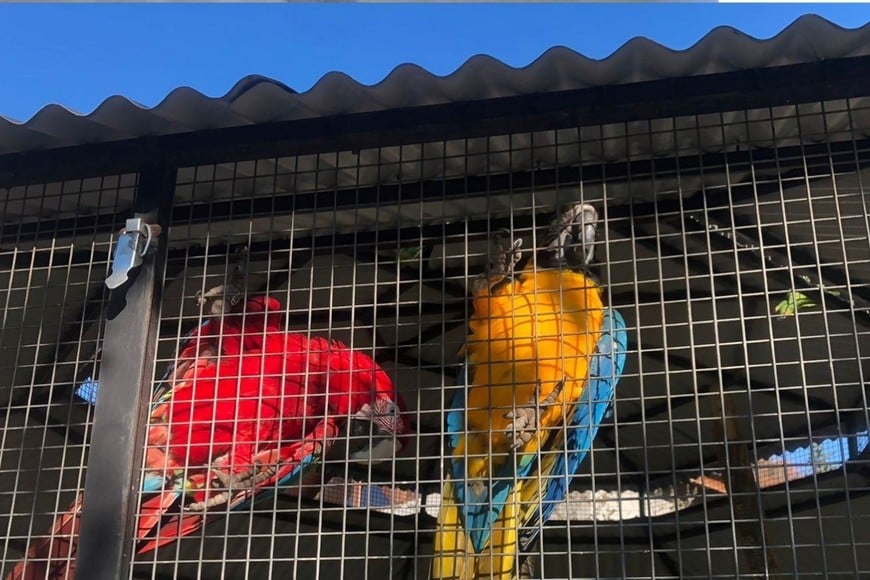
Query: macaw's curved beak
371, 441
370, 444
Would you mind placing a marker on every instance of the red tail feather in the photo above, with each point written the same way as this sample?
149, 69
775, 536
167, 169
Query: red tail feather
53, 556
152, 513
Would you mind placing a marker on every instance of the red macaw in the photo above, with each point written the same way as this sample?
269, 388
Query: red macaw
248, 408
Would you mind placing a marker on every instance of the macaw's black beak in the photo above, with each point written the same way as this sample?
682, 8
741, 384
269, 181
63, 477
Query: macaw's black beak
369, 444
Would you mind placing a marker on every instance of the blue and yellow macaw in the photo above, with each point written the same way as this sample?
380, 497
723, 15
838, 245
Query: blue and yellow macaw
542, 361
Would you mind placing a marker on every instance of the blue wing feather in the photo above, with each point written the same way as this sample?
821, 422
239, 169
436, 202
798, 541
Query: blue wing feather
483, 509
604, 372
456, 414
455, 428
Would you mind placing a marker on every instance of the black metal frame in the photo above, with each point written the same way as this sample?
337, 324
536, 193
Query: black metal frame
116, 451
130, 333
739, 90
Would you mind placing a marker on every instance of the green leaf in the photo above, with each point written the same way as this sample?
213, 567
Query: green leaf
408, 254
793, 302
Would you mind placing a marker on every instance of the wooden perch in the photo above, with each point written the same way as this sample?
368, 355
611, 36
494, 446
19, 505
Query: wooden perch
742, 488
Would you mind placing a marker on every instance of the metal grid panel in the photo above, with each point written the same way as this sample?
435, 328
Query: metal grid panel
52, 296
727, 409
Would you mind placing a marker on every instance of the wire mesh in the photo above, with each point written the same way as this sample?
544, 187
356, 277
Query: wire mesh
52, 295
735, 245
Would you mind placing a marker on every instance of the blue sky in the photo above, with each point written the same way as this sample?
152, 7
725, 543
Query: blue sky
78, 55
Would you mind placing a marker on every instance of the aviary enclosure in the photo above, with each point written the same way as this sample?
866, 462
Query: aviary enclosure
732, 237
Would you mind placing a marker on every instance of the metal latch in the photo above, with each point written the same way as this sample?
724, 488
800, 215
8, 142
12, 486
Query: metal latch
133, 244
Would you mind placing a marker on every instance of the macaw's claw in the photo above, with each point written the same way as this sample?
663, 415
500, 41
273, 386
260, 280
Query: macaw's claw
525, 418
220, 305
507, 255
234, 291
232, 482
523, 426
215, 500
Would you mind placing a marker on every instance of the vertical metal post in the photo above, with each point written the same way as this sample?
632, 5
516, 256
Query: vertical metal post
117, 443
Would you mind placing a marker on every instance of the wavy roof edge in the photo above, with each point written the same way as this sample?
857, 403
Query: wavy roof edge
257, 99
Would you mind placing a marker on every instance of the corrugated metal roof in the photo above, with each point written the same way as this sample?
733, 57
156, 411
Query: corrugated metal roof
257, 99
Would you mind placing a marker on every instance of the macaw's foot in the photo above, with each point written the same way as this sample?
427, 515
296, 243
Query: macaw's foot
220, 305
523, 426
526, 418
507, 254
234, 482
